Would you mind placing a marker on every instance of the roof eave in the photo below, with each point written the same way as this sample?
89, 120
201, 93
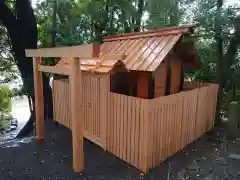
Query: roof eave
187, 28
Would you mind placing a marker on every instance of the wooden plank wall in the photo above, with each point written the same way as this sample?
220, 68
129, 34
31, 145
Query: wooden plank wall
176, 66
94, 105
177, 120
95, 89
61, 104
206, 109
188, 119
160, 80
164, 132
126, 130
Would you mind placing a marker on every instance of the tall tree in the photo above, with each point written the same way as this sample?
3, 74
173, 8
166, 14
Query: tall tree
220, 61
221, 40
54, 23
22, 30
163, 13
140, 9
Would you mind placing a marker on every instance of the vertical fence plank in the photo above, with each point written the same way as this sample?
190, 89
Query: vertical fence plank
168, 117
141, 150
111, 122
125, 126
160, 131
137, 135
93, 103
84, 95
122, 128
103, 108
145, 133
129, 129
174, 126
115, 100
133, 126
151, 138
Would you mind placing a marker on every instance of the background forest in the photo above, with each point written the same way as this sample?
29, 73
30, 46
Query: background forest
71, 22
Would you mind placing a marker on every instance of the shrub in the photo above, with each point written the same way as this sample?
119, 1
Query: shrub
5, 104
5, 99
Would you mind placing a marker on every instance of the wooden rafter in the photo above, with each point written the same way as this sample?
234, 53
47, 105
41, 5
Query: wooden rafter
83, 51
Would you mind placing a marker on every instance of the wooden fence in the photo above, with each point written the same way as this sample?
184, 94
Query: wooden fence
141, 132
146, 132
126, 132
177, 120
94, 105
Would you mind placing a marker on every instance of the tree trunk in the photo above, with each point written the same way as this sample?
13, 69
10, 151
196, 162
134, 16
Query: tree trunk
220, 71
54, 23
22, 30
139, 15
174, 13
224, 60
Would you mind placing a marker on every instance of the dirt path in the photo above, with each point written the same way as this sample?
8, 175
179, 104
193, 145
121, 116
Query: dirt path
24, 159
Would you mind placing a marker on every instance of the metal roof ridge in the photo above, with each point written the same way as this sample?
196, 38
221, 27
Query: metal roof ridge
156, 32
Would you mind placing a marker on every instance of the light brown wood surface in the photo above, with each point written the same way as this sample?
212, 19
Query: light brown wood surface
76, 116
39, 99
54, 70
83, 51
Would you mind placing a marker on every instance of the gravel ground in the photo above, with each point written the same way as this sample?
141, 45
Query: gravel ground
24, 159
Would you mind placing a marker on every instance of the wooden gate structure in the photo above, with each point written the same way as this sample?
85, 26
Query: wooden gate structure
74, 53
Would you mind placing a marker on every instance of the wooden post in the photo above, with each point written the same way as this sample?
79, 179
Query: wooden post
39, 102
77, 122
142, 85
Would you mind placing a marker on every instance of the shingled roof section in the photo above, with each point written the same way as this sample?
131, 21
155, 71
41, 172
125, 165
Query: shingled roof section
94, 65
144, 50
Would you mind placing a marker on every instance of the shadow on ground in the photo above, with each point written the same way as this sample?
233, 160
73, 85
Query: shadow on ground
24, 159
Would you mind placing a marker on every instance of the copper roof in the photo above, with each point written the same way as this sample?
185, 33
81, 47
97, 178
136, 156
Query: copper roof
144, 51
93, 65
143, 54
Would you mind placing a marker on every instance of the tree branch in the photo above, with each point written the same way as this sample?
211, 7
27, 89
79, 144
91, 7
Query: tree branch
9, 21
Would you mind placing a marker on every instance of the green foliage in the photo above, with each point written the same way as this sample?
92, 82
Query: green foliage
8, 71
5, 104
163, 13
85, 21
5, 99
207, 55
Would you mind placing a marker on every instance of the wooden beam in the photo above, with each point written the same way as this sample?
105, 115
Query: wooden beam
39, 101
142, 84
176, 66
54, 69
83, 51
77, 121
